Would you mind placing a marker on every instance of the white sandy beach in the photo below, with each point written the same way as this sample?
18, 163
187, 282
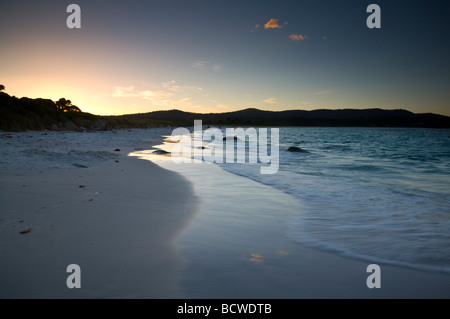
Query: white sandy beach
138, 230
117, 220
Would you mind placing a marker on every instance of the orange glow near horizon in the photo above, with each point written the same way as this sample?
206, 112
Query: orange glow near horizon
96, 97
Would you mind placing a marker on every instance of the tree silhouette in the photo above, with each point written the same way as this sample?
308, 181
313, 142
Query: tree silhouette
2, 87
66, 106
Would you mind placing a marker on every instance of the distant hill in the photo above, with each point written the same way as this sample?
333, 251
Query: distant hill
344, 117
44, 114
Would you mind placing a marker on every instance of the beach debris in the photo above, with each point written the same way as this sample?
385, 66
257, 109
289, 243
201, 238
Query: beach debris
82, 186
26, 231
296, 149
117, 161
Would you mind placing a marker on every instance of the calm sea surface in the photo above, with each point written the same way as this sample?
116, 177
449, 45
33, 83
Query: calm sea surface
380, 194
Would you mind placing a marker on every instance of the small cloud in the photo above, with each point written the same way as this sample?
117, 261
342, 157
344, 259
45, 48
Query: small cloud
122, 91
298, 37
285, 22
324, 37
305, 102
172, 85
271, 100
272, 24
217, 67
256, 27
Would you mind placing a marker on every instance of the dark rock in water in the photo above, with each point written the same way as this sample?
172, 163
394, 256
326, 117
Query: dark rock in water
201, 147
296, 149
117, 150
79, 165
160, 152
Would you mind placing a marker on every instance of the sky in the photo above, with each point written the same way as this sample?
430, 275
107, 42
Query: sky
220, 56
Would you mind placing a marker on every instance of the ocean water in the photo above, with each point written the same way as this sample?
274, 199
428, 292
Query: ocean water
378, 194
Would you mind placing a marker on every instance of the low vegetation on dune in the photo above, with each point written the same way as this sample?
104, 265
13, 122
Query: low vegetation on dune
21, 114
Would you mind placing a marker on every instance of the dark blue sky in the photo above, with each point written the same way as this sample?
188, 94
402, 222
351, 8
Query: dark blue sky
216, 56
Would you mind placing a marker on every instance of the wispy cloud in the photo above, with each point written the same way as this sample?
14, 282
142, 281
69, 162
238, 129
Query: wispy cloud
124, 91
171, 85
298, 37
166, 95
206, 64
272, 24
323, 92
201, 64
271, 100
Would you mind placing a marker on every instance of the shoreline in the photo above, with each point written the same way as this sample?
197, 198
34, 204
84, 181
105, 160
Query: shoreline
237, 247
